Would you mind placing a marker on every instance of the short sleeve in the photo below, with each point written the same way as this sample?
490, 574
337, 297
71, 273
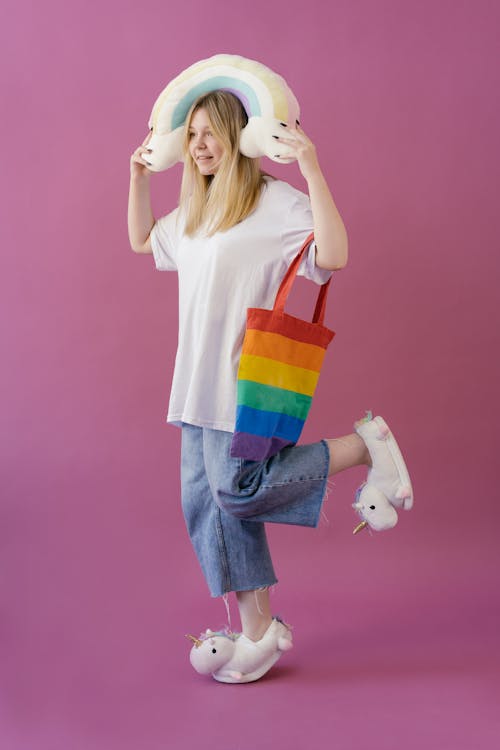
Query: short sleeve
165, 240
298, 225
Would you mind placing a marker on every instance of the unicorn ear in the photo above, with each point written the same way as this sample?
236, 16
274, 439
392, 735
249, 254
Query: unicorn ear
265, 95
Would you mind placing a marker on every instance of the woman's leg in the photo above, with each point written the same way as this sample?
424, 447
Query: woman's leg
346, 452
255, 612
287, 488
233, 553
254, 606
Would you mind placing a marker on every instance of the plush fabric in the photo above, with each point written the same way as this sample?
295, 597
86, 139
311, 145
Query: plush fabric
388, 484
265, 95
234, 658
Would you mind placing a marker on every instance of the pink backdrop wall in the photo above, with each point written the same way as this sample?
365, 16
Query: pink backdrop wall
97, 577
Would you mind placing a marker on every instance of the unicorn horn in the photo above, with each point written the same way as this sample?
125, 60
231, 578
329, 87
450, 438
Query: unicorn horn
361, 526
196, 641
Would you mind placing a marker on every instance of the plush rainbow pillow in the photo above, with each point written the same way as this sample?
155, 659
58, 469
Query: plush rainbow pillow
267, 99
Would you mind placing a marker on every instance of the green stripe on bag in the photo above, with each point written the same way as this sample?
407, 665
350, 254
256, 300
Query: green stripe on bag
269, 398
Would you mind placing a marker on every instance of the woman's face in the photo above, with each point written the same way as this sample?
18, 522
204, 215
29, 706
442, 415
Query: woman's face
205, 149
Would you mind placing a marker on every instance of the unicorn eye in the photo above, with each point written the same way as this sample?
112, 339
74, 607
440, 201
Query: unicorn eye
214, 651
372, 507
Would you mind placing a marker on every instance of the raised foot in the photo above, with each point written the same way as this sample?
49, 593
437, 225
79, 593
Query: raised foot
388, 471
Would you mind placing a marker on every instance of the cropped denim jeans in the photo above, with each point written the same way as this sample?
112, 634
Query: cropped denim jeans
226, 502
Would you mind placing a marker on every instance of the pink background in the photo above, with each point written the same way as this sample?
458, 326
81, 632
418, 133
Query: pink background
396, 634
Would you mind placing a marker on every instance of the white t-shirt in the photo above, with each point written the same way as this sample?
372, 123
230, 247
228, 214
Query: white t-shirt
219, 278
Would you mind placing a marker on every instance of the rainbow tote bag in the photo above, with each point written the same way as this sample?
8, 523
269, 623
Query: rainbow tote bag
280, 363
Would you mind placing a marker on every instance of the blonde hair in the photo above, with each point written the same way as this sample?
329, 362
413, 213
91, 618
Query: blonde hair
218, 202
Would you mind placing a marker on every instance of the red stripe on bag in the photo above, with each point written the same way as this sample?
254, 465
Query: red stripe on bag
289, 326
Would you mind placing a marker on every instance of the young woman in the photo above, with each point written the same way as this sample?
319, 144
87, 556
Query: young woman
231, 240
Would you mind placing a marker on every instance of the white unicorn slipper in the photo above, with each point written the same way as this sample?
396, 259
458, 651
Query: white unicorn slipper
265, 95
234, 658
388, 484
374, 509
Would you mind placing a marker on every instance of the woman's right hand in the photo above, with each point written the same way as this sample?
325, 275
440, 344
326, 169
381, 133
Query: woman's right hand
140, 214
139, 165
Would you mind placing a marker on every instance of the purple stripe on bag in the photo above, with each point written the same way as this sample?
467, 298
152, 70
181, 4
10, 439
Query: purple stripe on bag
255, 447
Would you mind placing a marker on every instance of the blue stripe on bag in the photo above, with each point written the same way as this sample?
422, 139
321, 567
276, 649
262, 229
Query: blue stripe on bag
268, 423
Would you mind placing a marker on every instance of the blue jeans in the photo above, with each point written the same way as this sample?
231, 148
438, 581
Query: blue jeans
226, 502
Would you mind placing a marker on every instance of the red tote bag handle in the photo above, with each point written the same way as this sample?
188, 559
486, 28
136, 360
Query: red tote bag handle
287, 283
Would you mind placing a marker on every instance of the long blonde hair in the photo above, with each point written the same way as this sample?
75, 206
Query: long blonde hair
218, 202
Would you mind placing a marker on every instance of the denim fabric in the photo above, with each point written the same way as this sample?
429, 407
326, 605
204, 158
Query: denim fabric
227, 500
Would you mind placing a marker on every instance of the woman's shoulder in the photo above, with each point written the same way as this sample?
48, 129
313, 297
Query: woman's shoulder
279, 188
170, 225
171, 216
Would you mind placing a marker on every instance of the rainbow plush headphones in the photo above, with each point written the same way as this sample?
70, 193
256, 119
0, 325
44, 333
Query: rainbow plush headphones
267, 99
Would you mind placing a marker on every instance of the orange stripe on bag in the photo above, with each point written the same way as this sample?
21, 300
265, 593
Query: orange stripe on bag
282, 349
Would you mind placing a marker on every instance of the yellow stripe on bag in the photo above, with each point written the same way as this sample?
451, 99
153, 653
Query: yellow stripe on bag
278, 374
278, 347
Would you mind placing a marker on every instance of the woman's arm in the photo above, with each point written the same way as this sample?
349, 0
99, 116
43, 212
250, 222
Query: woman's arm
140, 214
329, 230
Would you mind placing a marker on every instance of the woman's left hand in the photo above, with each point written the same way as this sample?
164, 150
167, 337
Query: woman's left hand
329, 230
297, 145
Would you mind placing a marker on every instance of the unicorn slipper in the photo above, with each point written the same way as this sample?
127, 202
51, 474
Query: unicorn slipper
234, 658
374, 508
388, 473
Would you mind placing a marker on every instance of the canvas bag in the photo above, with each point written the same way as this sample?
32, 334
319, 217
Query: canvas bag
280, 362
